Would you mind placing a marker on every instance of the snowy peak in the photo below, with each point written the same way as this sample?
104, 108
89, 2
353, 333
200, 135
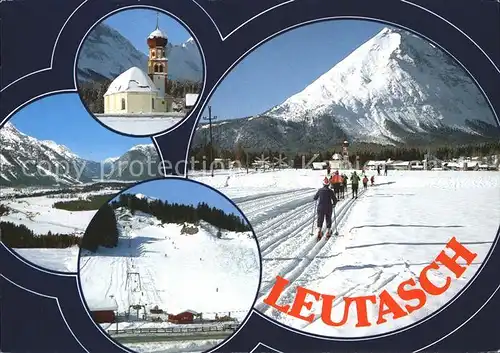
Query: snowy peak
59, 149
395, 78
145, 197
110, 160
188, 43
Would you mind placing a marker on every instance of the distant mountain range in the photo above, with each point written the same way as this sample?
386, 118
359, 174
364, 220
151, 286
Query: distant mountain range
395, 89
105, 54
25, 160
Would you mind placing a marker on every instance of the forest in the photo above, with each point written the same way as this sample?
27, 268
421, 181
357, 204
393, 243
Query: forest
177, 213
19, 236
102, 230
91, 203
365, 152
92, 93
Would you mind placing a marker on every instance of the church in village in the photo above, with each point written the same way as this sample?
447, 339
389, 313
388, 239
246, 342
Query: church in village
135, 92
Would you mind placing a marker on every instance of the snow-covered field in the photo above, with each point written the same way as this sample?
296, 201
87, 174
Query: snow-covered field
38, 215
175, 271
174, 346
62, 260
387, 236
139, 125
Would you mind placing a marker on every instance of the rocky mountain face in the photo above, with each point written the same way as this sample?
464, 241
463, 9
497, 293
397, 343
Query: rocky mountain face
394, 89
105, 54
139, 163
25, 160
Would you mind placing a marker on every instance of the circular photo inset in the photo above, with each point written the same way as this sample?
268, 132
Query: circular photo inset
168, 265
139, 72
53, 180
368, 165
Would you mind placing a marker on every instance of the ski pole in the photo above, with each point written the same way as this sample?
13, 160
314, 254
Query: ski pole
335, 220
314, 216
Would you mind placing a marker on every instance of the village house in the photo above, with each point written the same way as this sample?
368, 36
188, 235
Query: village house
104, 310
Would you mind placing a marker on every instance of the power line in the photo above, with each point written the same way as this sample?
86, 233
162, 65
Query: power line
210, 118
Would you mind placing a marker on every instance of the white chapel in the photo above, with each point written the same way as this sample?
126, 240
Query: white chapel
134, 91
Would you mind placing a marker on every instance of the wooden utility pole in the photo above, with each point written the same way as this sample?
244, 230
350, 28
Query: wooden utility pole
210, 118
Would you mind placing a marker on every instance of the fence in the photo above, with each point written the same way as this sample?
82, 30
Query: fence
181, 331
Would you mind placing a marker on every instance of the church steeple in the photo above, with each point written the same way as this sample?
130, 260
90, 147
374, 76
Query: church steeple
157, 61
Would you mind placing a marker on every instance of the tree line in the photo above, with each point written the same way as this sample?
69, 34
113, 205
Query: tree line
177, 213
20, 236
92, 93
364, 151
65, 191
93, 202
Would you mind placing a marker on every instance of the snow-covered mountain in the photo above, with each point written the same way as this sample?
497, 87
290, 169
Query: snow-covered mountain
106, 54
139, 163
395, 88
25, 160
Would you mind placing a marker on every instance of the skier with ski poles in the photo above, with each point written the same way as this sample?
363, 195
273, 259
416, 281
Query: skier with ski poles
344, 185
326, 202
354, 184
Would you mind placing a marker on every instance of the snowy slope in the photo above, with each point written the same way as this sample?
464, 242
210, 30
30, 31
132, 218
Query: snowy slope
106, 54
62, 260
388, 235
177, 272
394, 88
30, 161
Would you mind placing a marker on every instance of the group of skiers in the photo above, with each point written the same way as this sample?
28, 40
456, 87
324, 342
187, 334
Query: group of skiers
334, 188
379, 169
338, 182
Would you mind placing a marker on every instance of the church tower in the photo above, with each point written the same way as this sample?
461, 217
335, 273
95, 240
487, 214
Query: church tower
157, 61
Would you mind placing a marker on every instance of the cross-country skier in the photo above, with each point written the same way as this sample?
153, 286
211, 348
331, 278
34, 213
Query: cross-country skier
385, 169
328, 169
344, 185
372, 179
336, 182
378, 169
326, 202
341, 187
354, 184
365, 182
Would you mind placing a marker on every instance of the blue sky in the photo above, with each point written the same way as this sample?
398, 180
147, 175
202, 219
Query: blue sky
63, 119
183, 192
136, 25
287, 64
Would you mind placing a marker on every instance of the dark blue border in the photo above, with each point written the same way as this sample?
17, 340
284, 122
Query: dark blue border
32, 323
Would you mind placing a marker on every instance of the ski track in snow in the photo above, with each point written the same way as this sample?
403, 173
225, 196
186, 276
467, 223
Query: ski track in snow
282, 221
